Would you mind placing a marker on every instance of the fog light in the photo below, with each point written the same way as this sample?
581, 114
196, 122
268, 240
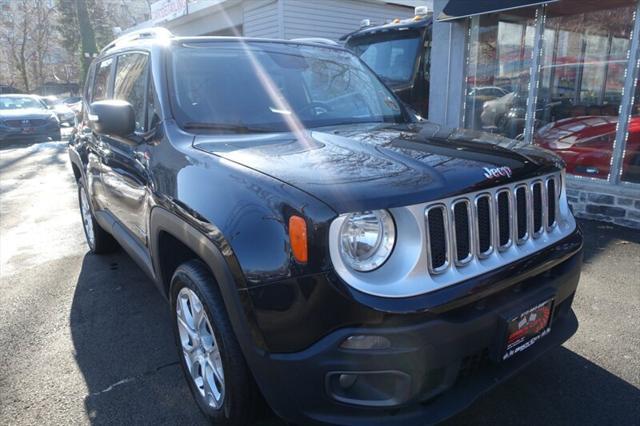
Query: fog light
347, 380
365, 342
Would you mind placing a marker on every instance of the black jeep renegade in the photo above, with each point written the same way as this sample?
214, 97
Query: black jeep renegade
317, 244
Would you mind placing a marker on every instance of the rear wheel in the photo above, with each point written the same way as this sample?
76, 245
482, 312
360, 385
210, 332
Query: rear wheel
210, 355
98, 240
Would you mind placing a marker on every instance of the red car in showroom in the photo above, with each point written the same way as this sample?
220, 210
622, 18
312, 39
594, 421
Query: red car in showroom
586, 143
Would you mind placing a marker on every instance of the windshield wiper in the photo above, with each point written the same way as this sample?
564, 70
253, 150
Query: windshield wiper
237, 128
389, 80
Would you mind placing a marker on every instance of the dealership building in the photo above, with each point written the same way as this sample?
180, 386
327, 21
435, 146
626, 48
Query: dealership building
559, 74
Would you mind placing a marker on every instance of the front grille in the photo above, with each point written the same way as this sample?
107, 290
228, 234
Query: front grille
26, 123
472, 226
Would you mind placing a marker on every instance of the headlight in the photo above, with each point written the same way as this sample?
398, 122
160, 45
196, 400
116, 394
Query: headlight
366, 239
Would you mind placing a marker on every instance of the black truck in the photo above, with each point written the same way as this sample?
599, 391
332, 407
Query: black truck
400, 53
316, 243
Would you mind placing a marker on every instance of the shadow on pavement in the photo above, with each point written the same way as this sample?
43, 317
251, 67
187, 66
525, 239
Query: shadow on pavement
561, 388
598, 236
124, 347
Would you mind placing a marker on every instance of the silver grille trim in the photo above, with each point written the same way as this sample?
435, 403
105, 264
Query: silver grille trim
410, 271
498, 219
469, 238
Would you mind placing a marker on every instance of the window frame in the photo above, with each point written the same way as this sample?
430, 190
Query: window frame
147, 77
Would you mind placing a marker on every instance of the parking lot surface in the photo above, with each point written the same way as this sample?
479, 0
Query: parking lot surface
86, 339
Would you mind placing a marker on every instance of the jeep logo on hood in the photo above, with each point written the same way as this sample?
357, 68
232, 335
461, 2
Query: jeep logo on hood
495, 172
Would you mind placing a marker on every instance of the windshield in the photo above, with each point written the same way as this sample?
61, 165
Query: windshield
14, 102
52, 101
244, 86
391, 56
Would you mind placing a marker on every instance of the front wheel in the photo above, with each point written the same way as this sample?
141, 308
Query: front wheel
210, 355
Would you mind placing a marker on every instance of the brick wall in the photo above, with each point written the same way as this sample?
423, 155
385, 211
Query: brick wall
619, 205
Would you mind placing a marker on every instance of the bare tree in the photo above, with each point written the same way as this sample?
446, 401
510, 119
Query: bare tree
26, 38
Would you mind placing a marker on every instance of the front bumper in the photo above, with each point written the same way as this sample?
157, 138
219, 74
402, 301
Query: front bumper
443, 353
38, 134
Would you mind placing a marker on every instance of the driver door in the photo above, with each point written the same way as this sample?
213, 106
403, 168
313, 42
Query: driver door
125, 170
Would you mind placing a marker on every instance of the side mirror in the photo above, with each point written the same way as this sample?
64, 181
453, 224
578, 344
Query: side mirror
112, 117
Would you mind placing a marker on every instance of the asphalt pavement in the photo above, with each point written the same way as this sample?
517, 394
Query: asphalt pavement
85, 339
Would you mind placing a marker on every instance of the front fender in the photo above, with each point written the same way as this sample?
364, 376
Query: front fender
248, 213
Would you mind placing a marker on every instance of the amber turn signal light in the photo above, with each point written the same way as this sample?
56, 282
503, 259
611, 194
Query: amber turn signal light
298, 238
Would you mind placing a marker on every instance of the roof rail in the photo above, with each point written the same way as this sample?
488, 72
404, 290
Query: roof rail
316, 40
151, 33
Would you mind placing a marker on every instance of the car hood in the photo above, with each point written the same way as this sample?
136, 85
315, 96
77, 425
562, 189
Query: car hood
360, 167
26, 113
567, 132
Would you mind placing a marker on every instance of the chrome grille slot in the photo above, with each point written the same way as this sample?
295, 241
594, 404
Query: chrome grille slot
551, 202
461, 215
538, 211
484, 225
503, 201
437, 238
522, 224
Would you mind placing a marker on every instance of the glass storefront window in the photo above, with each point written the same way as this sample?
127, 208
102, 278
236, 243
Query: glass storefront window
631, 157
581, 84
498, 72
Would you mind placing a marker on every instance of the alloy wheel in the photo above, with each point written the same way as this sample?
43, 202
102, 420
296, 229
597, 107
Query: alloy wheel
200, 348
87, 219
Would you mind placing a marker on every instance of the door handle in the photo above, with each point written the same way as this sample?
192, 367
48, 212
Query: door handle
142, 156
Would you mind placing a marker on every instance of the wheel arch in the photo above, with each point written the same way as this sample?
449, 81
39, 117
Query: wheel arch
76, 164
172, 241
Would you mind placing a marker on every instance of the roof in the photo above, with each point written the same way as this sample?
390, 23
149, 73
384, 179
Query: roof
148, 36
396, 24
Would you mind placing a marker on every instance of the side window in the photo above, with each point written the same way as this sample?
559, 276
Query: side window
131, 83
101, 83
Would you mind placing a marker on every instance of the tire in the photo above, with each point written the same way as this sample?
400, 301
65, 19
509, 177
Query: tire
192, 286
98, 240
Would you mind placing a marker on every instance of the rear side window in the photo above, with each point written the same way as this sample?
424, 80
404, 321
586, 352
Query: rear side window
131, 84
101, 83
